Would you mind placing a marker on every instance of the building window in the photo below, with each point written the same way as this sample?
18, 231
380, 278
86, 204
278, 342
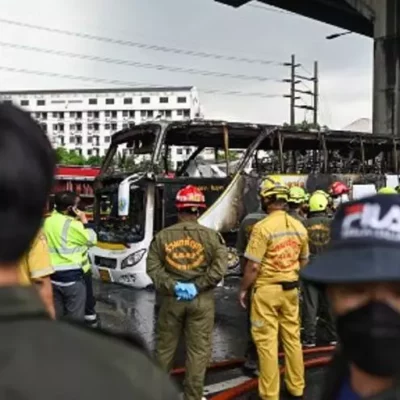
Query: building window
145, 100
90, 114
114, 127
89, 152
92, 101
72, 139
131, 125
124, 126
54, 115
150, 113
125, 113
179, 112
24, 102
96, 114
61, 115
107, 126
186, 113
163, 100
181, 99
40, 102
8, 102
72, 127
113, 114
79, 114
109, 101
78, 139
132, 114
96, 127
72, 114
90, 127
179, 151
143, 113
61, 127
79, 127
107, 113
37, 115
55, 127
44, 115
128, 100
44, 127
107, 139
168, 113
89, 139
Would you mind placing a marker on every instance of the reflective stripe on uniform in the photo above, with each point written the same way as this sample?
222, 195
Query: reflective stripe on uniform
64, 250
283, 234
92, 235
66, 267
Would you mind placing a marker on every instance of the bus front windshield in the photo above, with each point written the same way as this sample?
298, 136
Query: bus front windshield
122, 229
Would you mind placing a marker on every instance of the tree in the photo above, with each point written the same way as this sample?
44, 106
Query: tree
306, 126
94, 161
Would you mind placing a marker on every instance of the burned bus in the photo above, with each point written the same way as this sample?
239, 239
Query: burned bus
138, 184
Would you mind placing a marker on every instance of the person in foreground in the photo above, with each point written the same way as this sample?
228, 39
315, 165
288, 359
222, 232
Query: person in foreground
77, 362
361, 275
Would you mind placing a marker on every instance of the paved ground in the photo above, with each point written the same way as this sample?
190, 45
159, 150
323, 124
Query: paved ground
130, 310
125, 309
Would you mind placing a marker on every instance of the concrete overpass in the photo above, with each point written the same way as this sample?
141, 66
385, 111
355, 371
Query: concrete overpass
378, 19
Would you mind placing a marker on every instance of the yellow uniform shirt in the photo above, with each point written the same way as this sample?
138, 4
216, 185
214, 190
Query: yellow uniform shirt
278, 243
36, 263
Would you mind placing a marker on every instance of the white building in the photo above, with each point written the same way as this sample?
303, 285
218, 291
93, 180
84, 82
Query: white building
84, 119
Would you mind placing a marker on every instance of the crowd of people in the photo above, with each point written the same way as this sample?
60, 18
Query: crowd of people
334, 250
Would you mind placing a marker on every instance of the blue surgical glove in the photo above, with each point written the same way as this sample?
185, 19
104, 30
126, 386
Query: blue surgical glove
185, 291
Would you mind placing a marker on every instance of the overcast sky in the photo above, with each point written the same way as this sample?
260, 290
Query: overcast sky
254, 31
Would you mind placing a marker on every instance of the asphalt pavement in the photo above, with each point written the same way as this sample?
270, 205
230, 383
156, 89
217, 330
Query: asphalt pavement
125, 309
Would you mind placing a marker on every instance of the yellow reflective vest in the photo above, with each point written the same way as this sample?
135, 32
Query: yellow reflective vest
68, 242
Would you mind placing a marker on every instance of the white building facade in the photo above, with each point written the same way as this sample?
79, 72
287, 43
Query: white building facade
84, 119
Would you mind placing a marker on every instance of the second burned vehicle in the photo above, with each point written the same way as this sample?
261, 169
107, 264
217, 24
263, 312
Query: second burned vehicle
226, 161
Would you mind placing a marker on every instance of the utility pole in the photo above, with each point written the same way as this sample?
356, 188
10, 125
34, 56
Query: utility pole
294, 80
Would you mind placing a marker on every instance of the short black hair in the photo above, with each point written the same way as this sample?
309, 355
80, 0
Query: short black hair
27, 165
63, 200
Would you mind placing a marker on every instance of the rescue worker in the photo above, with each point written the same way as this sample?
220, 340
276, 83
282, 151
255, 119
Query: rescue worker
339, 192
361, 276
278, 247
186, 261
243, 235
318, 227
35, 269
297, 197
68, 243
387, 190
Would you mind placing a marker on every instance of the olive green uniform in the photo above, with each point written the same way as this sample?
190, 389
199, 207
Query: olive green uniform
318, 227
190, 253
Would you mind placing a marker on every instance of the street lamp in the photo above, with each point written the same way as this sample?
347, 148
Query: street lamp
336, 35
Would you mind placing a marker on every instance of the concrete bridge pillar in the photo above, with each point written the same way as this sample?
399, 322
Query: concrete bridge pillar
386, 105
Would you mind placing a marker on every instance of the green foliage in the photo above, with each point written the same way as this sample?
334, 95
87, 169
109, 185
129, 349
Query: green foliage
305, 126
71, 157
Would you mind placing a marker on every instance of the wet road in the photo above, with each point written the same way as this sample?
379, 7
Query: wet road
128, 310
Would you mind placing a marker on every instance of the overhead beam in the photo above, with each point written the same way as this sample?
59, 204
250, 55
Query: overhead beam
334, 12
365, 7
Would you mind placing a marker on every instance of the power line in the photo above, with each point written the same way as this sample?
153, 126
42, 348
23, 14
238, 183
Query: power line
140, 45
129, 83
159, 67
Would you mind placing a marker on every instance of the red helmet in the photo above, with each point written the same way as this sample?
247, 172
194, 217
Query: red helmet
338, 188
190, 196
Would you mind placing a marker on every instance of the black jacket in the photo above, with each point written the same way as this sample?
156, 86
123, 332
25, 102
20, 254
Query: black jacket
337, 372
45, 359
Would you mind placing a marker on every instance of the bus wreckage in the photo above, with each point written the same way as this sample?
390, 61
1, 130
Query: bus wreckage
227, 161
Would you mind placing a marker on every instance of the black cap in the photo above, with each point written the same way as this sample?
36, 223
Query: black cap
365, 244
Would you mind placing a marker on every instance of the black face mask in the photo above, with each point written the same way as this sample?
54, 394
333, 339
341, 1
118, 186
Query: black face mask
370, 338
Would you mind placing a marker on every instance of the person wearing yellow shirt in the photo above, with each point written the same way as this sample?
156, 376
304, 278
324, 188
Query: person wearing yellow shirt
35, 268
277, 249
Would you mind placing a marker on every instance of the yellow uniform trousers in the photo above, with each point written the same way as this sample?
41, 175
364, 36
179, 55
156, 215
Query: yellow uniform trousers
276, 310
